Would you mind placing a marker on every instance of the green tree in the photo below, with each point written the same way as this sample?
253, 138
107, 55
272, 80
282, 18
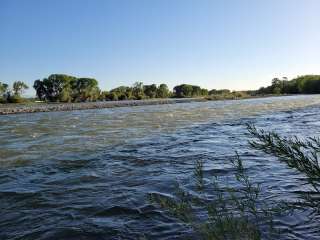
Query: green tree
4, 88
137, 90
103, 95
163, 91
219, 91
276, 90
55, 84
65, 88
186, 90
18, 87
113, 96
308, 84
212, 92
196, 91
40, 89
204, 92
183, 90
85, 89
122, 92
150, 90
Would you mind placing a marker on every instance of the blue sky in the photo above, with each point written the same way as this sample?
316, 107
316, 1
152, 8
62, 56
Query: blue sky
235, 44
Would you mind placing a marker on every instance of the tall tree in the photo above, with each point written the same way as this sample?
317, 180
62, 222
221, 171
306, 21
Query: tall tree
55, 84
150, 90
163, 91
3, 88
137, 90
86, 89
40, 89
121, 93
4, 92
65, 88
18, 87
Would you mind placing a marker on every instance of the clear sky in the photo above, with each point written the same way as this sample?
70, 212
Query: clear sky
240, 44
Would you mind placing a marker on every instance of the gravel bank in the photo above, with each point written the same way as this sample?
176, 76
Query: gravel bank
51, 107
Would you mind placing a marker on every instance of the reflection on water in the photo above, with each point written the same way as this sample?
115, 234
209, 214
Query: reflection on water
66, 175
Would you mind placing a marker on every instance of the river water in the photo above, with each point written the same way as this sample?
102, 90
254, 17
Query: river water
87, 174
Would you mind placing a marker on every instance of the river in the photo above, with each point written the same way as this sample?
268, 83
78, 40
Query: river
87, 174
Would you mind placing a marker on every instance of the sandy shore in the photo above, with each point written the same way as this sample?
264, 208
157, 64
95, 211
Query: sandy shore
51, 107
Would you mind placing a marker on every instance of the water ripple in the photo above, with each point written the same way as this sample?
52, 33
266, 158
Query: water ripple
87, 174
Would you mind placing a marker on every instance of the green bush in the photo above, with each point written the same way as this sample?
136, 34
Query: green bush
15, 99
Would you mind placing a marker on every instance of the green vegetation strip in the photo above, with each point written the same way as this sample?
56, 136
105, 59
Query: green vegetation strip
66, 88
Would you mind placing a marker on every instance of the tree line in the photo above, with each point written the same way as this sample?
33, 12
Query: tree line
307, 84
137, 92
66, 88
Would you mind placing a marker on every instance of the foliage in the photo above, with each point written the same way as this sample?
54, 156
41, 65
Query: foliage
8, 95
150, 91
227, 95
85, 89
163, 91
218, 92
18, 87
103, 95
224, 212
65, 88
3, 88
186, 90
40, 89
3, 91
307, 84
120, 93
229, 212
302, 155
137, 92
57, 87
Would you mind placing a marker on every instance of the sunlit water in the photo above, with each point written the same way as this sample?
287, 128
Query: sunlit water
87, 174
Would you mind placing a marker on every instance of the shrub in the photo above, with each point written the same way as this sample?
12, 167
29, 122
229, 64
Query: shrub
229, 212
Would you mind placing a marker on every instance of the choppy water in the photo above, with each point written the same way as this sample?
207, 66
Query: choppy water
87, 174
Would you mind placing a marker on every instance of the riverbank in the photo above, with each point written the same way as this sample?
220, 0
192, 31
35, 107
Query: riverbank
6, 109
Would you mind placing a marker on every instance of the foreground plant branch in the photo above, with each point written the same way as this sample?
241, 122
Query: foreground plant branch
218, 211
302, 155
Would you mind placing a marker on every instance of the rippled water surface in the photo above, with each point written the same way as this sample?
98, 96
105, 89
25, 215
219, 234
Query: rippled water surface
87, 174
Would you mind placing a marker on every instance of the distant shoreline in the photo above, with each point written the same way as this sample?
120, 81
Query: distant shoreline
7, 109
13, 108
